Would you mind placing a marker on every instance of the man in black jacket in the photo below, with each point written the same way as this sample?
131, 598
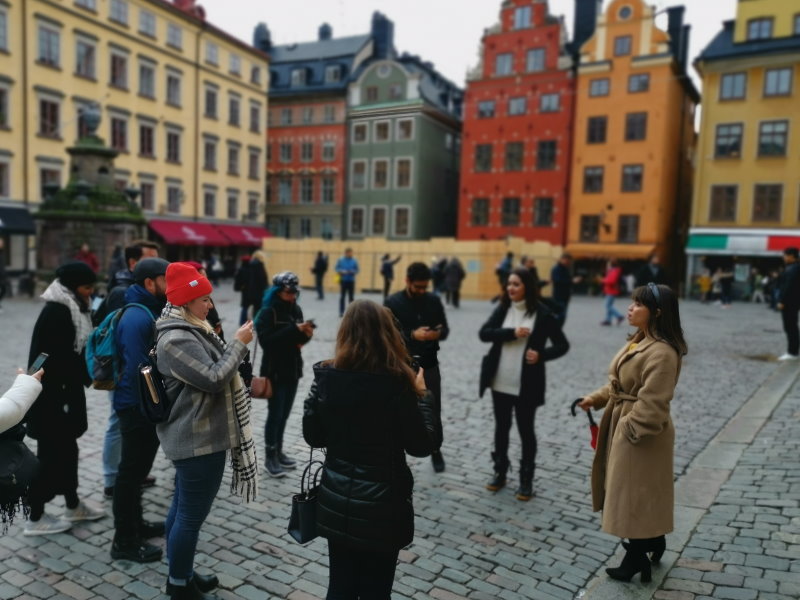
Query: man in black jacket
421, 317
789, 303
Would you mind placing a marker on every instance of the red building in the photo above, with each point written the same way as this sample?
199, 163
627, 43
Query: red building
517, 129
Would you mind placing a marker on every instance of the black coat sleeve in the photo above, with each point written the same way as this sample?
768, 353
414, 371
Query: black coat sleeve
420, 427
313, 421
559, 345
493, 330
273, 335
441, 319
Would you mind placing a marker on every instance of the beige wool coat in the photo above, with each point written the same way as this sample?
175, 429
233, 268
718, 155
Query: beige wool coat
632, 471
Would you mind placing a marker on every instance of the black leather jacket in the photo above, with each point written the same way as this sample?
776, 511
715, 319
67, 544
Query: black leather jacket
367, 423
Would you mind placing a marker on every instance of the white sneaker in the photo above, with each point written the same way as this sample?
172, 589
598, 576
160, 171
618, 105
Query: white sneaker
788, 356
46, 525
84, 512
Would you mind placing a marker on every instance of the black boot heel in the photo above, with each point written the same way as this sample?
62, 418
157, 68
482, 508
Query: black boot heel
647, 574
658, 548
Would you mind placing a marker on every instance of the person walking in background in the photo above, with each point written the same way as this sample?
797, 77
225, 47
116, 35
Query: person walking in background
347, 268
519, 330
282, 332
651, 272
387, 272
611, 283
240, 282
789, 303
437, 275
85, 255
454, 275
632, 474
117, 263
704, 285
503, 270
562, 280
757, 286
367, 408
58, 418
259, 280
423, 324
210, 415
319, 269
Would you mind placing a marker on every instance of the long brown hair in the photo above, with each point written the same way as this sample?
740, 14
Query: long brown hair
368, 340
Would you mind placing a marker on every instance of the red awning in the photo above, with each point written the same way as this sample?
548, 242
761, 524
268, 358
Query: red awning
242, 235
188, 233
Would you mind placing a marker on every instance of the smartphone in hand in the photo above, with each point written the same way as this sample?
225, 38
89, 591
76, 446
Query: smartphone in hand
38, 363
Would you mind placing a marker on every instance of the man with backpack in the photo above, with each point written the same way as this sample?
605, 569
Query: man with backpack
134, 337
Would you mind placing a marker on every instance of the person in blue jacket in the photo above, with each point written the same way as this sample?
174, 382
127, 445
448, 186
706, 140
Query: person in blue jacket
347, 268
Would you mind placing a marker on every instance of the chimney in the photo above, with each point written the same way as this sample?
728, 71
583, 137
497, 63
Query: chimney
189, 6
586, 13
383, 35
325, 32
676, 33
262, 38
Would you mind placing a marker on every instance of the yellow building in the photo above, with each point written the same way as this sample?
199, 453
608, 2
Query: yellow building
183, 102
746, 205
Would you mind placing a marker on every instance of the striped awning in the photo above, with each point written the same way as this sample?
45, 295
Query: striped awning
745, 242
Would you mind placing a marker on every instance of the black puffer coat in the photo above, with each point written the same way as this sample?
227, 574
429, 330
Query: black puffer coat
367, 423
280, 339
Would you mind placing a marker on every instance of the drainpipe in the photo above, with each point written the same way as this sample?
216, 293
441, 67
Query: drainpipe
197, 91
25, 145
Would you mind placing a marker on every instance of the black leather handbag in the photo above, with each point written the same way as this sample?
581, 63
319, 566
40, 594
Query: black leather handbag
303, 521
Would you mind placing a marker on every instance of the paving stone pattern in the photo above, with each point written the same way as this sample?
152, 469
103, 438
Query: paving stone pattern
469, 543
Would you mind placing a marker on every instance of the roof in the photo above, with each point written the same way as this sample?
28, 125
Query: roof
319, 50
723, 46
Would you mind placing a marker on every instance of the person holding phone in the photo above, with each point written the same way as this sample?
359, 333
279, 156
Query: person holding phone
21, 395
282, 332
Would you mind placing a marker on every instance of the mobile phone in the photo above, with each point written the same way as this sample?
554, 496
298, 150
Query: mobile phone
37, 364
312, 323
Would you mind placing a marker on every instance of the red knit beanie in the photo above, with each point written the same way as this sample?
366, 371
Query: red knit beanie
184, 284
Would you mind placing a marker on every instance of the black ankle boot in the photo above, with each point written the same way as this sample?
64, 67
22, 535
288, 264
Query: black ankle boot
285, 461
655, 545
204, 583
498, 481
635, 561
274, 468
525, 490
188, 592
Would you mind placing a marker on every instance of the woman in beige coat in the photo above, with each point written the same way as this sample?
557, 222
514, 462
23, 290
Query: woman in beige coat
632, 471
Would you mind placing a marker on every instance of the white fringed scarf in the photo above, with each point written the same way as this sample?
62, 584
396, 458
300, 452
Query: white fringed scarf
57, 292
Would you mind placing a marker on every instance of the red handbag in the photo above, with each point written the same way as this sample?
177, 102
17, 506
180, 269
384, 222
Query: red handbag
260, 387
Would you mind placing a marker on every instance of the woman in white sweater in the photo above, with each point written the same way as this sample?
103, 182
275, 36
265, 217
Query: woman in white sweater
19, 398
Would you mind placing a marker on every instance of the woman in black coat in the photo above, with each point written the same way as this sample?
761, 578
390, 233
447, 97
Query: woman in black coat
519, 330
367, 408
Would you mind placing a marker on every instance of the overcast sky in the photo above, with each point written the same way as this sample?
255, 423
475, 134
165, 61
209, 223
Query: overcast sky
445, 32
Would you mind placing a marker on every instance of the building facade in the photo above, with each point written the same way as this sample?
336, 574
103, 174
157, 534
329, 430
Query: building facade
633, 137
746, 207
183, 103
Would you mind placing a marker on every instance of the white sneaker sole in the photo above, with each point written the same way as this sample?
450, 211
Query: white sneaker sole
44, 532
84, 518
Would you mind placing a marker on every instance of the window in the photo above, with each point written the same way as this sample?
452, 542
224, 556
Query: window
286, 152
778, 82
234, 110
46, 177
402, 221
596, 130
85, 62
543, 212
396, 91
723, 203
590, 228
380, 174
305, 227
253, 160
728, 143
173, 89
635, 126
119, 11
286, 116
480, 212
147, 23
255, 118
209, 155
503, 64
632, 178
49, 46
147, 140
119, 134
209, 203
90, 4
382, 131
3, 29
772, 137
119, 71
233, 160
517, 106
173, 147
592, 180
733, 86
333, 73
378, 221
174, 199
483, 158
628, 229
622, 45
549, 103
546, 155
326, 228
285, 191
639, 83
308, 115
509, 217
233, 206
212, 53
210, 103
306, 190
522, 17
372, 94
255, 75
328, 151
329, 114
514, 153
357, 220
599, 87
174, 36
235, 64
486, 109
252, 207
405, 129
306, 151
759, 29
360, 133
328, 191
4, 120
359, 175
147, 80
767, 202
4, 180
535, 60
299, 77
403, 173
147, 195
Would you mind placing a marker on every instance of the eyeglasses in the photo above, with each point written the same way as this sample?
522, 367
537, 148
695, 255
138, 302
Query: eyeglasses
656, 293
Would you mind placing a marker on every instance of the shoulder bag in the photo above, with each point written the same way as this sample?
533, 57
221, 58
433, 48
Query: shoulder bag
303, 520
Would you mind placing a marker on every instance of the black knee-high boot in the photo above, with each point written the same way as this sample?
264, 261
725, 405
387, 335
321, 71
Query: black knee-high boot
635, 561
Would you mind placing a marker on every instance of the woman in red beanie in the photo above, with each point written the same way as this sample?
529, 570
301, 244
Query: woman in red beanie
210, 415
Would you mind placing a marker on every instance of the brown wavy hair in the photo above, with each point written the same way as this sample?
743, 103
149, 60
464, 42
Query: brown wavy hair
368, 340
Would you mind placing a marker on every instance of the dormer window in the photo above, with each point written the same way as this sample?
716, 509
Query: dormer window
298, 77
759, 29
522, 17
333, 73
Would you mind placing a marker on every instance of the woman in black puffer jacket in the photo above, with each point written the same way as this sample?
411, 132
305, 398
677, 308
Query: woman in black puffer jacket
367, 408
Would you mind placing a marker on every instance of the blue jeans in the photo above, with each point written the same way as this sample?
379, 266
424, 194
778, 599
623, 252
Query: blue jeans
347, 288
197, 482
278, 409
112, 446
611, 312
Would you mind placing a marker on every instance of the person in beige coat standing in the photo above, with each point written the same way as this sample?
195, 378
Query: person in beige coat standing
632, 471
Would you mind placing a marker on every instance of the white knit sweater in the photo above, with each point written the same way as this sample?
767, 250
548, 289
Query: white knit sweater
508, 378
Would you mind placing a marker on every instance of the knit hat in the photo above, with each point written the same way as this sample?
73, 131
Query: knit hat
149, 268
184, 284
75, 273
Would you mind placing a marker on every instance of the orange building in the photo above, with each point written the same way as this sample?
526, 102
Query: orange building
633, 134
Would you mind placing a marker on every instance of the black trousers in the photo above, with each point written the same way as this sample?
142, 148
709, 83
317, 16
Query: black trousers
347, 288
58, 473
139, 447
504, 405
433, 381
360, 575
387, 286
453, 296
318, 285
789, 315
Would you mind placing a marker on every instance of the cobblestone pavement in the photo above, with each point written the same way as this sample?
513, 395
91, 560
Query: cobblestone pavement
469, 543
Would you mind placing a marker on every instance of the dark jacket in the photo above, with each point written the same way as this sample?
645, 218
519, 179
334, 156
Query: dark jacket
277, 332
789, 286
546, 327
60, 410
646, 275
257, 283
367, 423
561, 279
241, 283
453, 275
412, 313
320, 265
115, 298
